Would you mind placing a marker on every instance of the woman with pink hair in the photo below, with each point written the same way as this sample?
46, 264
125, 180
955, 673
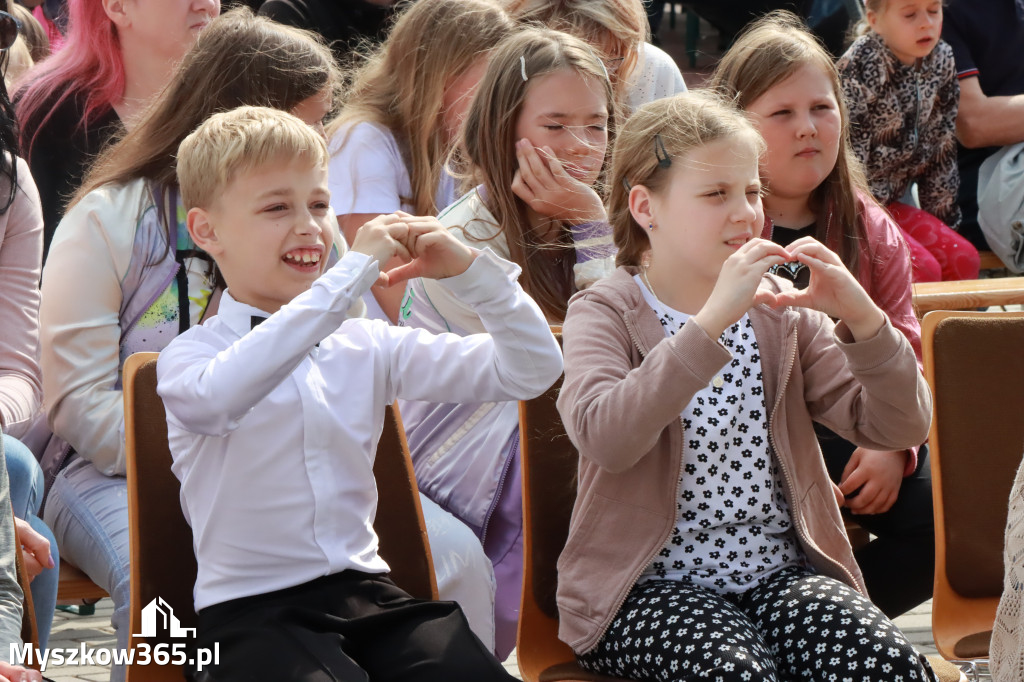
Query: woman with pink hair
116, 56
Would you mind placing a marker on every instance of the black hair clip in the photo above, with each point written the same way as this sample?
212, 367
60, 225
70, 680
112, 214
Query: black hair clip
664, 160
626, 185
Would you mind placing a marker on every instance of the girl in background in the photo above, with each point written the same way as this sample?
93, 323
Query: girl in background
535, 137
402, 115
618, 29
117, 56
814, 186
704, 539
900, 85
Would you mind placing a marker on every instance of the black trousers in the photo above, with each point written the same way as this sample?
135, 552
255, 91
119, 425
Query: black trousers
899, 564
351, 627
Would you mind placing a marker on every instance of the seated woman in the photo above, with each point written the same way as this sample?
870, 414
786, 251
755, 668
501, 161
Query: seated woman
21, 252
117, 56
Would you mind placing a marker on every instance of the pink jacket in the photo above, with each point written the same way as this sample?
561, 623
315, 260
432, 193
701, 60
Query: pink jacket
885, 273
625, 387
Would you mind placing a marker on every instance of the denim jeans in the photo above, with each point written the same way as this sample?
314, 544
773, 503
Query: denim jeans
26, 480
88, 512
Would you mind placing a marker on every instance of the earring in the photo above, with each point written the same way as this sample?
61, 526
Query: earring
650, 226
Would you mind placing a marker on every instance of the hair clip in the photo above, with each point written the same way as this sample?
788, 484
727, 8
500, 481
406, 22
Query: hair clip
604, 69
660, 153
522, 67
626, 185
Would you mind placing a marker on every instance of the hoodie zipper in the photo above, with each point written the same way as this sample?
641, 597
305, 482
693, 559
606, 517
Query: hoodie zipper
796, 518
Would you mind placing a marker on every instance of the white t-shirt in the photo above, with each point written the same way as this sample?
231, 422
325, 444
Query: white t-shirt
656, 76
367, 173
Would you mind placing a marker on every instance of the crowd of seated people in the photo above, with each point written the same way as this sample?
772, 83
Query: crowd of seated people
314, 209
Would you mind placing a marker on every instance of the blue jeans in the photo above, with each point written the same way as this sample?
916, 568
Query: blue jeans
26, 495
88, 512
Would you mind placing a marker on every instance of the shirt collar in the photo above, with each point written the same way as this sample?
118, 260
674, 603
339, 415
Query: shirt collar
237, 315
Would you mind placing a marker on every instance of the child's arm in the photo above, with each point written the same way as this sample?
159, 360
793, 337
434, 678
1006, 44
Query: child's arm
615, 413
518, 357
209, 391
883, 401
940, 181
859, 99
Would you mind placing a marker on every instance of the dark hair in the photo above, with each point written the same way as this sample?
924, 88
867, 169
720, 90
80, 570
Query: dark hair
8, 135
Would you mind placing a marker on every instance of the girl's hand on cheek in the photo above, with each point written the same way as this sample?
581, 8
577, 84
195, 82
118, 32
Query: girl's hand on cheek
833, 290
543, 183
736, 289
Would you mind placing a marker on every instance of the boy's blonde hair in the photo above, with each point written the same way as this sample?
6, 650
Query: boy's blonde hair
769, 51
236, 141
657, 137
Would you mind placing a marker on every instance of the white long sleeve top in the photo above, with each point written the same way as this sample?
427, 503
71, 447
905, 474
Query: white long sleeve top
273, 437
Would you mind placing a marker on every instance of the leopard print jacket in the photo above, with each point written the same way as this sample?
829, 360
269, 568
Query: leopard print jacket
903, 123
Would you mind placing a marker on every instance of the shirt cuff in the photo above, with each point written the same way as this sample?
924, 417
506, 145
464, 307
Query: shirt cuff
486, 276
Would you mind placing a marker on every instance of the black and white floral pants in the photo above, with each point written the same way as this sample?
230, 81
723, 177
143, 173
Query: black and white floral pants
795, 625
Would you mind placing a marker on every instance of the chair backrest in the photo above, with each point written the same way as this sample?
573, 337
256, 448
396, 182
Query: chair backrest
550, 464
399, 523
974, 362
163, 563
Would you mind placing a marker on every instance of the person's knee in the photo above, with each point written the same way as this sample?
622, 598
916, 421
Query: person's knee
25, 475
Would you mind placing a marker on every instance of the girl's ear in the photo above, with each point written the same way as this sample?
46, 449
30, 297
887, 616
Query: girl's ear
641, 205
117, 12
872, 18
202, 232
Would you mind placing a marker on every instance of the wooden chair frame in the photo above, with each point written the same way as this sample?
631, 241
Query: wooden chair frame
954, 616
542, 657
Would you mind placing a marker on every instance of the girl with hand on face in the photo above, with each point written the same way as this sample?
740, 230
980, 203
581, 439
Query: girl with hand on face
900, 84
535, 137
401, 118
814, 186
704, 536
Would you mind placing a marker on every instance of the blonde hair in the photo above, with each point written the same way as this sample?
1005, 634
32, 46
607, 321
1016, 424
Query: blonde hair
237, 141
771, 50
615, 28
401, 86
489, 140
667, 128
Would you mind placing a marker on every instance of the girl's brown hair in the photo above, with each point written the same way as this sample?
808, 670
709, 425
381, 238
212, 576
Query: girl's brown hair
237, 60
615, 28
489, 144
401, 86
667, 128
771, 50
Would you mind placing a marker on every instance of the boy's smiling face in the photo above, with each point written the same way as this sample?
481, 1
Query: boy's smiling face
269, 230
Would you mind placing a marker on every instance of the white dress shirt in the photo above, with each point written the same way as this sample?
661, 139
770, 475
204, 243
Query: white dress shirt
273, 438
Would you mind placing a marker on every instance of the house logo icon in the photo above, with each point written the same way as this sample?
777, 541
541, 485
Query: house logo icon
158, 614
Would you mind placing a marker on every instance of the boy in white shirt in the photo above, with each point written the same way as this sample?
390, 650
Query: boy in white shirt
274, 429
